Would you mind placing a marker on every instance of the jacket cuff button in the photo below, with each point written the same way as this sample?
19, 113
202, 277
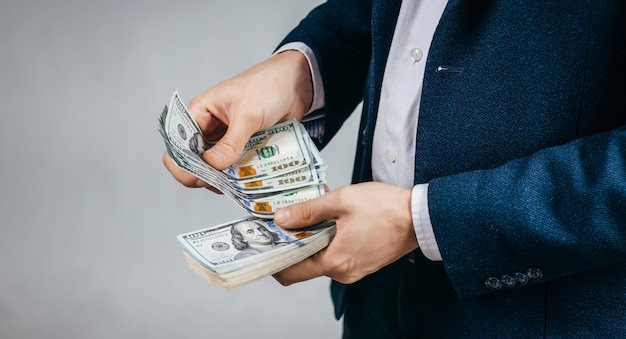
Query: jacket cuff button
521, 278
507, 281
534, 273
493, 283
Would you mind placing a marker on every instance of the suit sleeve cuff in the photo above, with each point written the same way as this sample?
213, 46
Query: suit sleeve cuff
422, 224
318, 86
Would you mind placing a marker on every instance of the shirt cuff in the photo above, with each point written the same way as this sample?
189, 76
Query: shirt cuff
421, 223
318, 86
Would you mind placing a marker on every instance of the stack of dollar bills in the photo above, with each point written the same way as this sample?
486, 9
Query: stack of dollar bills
278, 167
245, 250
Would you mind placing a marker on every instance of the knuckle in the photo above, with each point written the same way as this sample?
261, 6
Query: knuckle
348, 280
229, 144
339, 266
344, 194
343, 271
305, 211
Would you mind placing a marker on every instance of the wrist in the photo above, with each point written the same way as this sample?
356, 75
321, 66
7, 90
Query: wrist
404, 215
300, 75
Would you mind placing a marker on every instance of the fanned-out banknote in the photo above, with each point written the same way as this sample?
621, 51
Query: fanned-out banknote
278, 167
242, 251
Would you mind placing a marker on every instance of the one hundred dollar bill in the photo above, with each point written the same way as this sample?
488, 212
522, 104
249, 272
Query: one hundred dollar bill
282, 159
275, 151
265, 207
302, 177
252, 246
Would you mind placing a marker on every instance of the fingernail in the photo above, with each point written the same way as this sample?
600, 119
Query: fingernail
282, 215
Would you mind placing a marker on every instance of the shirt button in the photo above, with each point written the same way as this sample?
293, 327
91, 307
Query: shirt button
416, 54
391, 157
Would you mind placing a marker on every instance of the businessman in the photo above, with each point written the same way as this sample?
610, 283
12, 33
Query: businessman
491, 156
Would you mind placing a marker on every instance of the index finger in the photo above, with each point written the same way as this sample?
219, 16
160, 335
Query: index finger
229, 148
178, 173
307, 269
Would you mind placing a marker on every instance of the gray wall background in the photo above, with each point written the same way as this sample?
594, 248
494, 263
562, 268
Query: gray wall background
88, 214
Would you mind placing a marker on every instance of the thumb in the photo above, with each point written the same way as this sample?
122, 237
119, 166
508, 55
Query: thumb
229, 148
307, 213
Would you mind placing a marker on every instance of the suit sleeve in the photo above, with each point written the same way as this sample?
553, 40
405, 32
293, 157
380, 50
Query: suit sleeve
338, 32
561, 210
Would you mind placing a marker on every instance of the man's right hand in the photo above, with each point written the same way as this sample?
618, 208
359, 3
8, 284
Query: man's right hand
273, 91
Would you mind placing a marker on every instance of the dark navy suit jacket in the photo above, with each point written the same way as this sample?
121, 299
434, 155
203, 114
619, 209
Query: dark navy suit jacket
521, 139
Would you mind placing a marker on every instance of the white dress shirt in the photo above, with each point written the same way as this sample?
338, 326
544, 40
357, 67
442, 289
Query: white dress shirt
393, 153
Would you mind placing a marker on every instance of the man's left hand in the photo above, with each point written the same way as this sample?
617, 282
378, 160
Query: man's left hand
374, 229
